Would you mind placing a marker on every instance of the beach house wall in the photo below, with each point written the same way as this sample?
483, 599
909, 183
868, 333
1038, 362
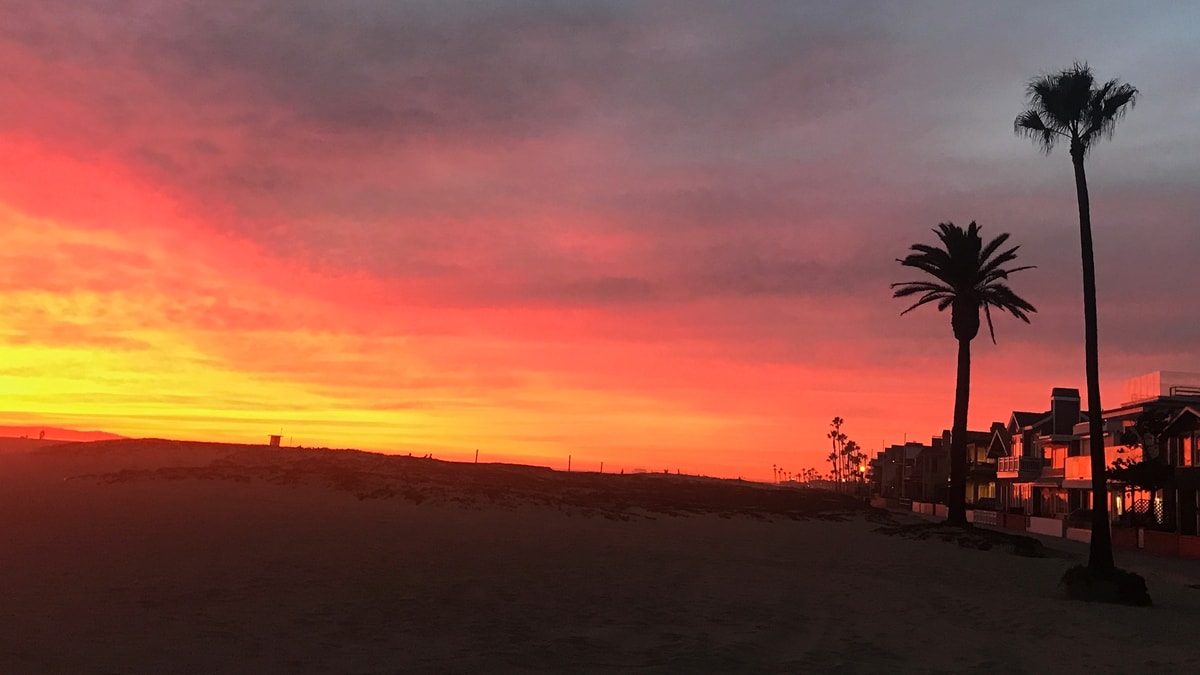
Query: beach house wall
931, 470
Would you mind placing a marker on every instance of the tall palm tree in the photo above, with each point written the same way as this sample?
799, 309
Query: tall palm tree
968, 275
1071, 107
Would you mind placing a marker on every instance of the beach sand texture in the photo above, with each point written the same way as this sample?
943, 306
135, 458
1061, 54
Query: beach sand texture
164, 557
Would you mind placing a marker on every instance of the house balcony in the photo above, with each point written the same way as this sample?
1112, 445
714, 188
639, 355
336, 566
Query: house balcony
1019, 468
1078, 470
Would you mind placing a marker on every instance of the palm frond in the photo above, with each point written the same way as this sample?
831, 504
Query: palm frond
928, 298
907, 288
995, 244
1108, 106
991, 329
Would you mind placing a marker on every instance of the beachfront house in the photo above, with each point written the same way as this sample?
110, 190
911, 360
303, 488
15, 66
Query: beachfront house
981, 467
1030, 476
1044, 459
921, 472
931, 471
903, 469
1182, 494
1173, 399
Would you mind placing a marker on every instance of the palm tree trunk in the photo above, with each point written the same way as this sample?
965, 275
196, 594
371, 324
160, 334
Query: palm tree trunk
845, 469
842, 458
833, 459
1100, 554
958, 438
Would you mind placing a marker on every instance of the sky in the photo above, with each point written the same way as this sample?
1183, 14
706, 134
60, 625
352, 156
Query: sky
658, 235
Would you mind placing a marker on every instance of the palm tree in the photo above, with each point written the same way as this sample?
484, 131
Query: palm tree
968, 275
838, 440
1071, 107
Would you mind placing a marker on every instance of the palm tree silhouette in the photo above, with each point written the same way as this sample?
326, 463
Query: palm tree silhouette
1071, 107
852, 459
968, 275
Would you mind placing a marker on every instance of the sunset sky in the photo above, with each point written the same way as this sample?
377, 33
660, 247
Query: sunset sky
653, 234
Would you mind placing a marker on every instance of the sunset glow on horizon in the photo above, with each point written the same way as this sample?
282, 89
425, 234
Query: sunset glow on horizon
658, 240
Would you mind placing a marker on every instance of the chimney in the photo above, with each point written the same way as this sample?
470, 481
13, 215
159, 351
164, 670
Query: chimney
1064, 410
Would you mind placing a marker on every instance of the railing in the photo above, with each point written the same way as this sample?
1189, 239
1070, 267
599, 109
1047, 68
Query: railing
1019, 465
1150, 515
985, 517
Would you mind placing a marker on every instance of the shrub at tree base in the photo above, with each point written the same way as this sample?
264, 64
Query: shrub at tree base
1117, 586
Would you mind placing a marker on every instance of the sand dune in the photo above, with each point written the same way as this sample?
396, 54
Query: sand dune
155, 557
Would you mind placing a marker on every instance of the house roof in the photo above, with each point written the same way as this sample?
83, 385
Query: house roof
976, 437
1168, 402
979, 437
1028, 419
1185, 420
1001, 445
1038, 421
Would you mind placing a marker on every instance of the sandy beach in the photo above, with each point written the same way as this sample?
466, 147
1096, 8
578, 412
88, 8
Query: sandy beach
156, 557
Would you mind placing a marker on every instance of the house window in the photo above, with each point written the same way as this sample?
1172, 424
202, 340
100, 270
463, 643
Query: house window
1175, 451
1053, 502
1021, 495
